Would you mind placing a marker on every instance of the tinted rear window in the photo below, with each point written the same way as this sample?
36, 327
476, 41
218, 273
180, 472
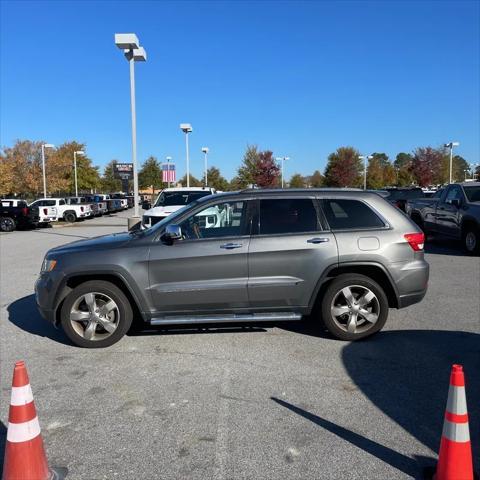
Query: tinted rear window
405, 194
295, 215
350, 214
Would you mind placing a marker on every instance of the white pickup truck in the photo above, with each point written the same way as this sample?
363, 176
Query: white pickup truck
46, 211
170, 200
69, 213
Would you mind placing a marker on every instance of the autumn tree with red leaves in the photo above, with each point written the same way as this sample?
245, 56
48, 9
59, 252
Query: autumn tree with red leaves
344, 168
427, 165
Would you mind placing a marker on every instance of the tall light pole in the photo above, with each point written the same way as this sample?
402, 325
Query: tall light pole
282, 159
168, 170
450, 146
44, 146
79, 152
186, 128
205, 150
365, 158
128, 42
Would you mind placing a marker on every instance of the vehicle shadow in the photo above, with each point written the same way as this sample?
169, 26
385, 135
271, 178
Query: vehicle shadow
138, 331
24, 314
406, 375
3, 440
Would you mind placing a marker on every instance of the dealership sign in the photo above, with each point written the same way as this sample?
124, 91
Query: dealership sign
124, 171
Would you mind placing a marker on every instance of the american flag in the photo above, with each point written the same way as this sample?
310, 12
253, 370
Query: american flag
168, 172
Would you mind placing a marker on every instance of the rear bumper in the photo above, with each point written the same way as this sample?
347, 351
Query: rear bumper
411, 281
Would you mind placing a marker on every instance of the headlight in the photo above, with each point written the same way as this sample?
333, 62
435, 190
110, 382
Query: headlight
48, 265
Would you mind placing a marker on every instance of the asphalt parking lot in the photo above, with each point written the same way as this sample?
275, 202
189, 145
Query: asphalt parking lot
268, 402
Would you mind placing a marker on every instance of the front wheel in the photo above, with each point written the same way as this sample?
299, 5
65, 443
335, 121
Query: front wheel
96, 314
7, 224
471, 240
354, 306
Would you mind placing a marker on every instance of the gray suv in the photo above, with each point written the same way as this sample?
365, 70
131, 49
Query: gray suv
340, 257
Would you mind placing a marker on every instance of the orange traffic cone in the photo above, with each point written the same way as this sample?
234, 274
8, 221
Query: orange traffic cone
25, 457
455, 457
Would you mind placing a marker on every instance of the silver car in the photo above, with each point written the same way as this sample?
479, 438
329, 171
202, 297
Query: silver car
342, 258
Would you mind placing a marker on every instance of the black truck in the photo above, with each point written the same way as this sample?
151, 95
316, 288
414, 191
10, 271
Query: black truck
16, 213
453, 212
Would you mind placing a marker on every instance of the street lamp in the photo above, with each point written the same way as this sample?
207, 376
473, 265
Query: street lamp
282, 159
44, 146
365, 158
205, 150
79, 152
186, 128
168, 159
450, 146
128, 42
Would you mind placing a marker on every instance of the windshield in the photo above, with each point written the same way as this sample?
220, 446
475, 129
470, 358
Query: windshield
167, 199
472, 193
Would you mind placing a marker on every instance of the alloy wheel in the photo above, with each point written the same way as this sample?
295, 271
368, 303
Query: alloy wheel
355, 309
470, 241
94, 316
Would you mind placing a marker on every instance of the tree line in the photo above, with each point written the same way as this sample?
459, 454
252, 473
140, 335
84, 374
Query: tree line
21, 170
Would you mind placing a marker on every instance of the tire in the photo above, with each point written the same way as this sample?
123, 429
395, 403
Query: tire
7, 224
88, 330
343, 325
471, 239
70, 217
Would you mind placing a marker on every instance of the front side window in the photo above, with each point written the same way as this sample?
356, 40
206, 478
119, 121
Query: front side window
225, 219
350, 214
473, 193
289, 215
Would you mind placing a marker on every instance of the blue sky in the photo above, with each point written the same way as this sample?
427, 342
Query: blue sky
299, 78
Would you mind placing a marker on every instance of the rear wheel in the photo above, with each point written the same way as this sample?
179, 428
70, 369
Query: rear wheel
471, 239
353, 307
96, 314
7, 224
70, 217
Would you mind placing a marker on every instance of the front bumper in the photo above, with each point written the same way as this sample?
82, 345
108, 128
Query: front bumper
46, 289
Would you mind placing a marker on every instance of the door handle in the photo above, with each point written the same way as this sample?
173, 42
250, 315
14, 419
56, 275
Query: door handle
230, 246
318, 240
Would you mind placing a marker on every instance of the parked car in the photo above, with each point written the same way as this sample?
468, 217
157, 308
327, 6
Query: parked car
101, 205
69, 212
170, 200
340, 257
122, 198
88, 208
46, 211
16, 213
399, 196
453, 211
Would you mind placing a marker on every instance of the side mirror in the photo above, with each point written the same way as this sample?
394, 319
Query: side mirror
455, 202
146, 205
172, 232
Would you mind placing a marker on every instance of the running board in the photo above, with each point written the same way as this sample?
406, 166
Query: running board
232, 318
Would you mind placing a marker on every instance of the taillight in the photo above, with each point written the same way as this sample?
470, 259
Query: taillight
45, 211
25, 211
416, 240
398, 204
81, 209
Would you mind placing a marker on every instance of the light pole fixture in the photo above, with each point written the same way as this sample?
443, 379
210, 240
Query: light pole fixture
205, 150
450, 146
365, 158
128, 42
79, 152
282, 159
168, 159
44, 146
186, 128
